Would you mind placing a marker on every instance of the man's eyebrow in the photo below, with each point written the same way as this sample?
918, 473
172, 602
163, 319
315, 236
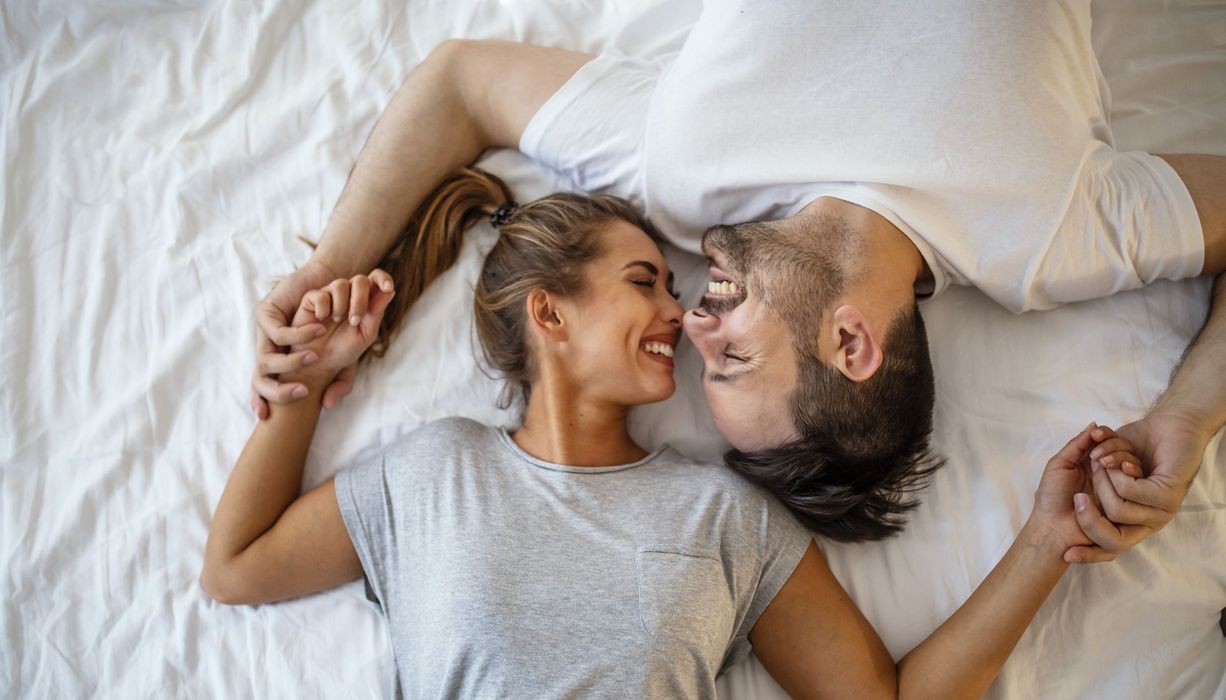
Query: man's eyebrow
726, 378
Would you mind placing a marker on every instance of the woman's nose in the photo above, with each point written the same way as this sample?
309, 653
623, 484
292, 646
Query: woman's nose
673, 312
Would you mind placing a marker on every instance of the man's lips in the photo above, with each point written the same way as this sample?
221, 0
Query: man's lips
719, 275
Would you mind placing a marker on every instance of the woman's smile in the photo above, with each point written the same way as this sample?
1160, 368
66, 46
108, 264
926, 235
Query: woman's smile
660, 348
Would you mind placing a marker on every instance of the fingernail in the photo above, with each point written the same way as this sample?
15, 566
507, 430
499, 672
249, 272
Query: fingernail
1098, 433
1108, 460
337, 318
1094, 466
299, 392
355, 320
1074, 559
1081, 501
387, 286
310, 358
1096, 452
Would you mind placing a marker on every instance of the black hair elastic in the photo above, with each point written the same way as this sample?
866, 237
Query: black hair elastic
503, 214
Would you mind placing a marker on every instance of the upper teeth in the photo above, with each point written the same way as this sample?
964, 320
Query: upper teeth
659, 348
721, 287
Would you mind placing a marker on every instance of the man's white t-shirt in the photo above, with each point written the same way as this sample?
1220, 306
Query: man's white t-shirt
978, 128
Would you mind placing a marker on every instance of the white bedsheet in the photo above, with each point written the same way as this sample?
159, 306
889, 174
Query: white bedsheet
159, 160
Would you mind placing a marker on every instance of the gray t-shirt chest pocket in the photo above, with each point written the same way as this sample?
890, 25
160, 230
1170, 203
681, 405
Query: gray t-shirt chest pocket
684, 597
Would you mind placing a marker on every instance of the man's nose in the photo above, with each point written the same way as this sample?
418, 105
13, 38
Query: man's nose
701, 319
700, 326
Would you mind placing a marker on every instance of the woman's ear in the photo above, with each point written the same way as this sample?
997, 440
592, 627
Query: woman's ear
858, 354
543, 315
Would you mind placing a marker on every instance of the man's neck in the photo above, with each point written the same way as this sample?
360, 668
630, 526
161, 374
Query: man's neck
893, 250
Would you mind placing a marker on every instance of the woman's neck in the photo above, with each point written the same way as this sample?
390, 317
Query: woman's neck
562, 427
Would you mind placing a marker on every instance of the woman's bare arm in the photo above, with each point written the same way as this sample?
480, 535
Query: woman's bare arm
817, 644
266, 543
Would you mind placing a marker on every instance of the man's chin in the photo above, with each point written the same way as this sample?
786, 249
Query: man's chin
743, 439
750, 438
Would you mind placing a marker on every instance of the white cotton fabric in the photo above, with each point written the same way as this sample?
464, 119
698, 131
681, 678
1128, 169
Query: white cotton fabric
159, 160
978, 128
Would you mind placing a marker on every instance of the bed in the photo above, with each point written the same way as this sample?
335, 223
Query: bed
160, 161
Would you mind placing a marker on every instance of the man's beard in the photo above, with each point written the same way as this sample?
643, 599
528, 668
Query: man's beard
720, 305
733, 247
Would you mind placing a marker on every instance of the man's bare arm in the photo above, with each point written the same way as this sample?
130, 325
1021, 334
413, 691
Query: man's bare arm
1171, 439
466, 96
1205, 178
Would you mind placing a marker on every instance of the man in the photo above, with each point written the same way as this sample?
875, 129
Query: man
882, 158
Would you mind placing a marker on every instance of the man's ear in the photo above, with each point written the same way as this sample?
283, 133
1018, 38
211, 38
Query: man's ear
858, 354
543, 315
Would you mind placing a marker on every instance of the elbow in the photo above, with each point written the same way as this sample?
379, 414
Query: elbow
219, 584
442, 67
455, 76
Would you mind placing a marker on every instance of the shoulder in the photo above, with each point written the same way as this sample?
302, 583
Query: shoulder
449, 435
453, 428
713, 481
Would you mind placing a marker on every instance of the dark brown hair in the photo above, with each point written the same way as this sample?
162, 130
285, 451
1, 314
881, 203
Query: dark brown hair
863, 452
542, 245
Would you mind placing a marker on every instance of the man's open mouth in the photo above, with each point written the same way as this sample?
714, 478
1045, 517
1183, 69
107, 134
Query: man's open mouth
724, 293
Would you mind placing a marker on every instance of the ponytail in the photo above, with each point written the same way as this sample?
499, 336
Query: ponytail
431, 243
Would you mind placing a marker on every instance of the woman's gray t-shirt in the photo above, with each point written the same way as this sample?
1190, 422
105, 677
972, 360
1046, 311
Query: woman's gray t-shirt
505, 576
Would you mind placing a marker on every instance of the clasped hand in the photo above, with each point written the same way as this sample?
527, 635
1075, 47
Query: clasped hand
350, 311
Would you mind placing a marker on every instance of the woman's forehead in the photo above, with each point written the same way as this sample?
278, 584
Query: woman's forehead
625, 242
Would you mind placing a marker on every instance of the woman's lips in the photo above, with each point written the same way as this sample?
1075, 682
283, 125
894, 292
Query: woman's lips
658, 340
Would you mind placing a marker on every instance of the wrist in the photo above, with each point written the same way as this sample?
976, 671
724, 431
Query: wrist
1043, 542
322, 259
1198, 419
315, 381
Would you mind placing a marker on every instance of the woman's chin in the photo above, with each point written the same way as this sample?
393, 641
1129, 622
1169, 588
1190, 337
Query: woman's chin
658, 391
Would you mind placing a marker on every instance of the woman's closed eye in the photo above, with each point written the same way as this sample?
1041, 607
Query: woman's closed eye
649, 283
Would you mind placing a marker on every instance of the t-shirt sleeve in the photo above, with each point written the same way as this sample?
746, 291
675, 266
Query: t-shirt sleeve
592, 128
1130, 221
782, 542
365, 500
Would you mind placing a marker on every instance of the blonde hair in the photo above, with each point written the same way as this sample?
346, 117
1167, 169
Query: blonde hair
542, 245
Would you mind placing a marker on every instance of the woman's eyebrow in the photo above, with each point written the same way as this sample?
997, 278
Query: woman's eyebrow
650, 267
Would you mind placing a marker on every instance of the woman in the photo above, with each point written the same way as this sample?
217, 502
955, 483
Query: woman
563, 559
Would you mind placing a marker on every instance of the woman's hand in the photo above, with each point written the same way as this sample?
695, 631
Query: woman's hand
1063, 506
359, 303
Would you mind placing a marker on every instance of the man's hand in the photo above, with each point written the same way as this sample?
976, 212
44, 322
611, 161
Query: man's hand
1137, 505
273, 333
